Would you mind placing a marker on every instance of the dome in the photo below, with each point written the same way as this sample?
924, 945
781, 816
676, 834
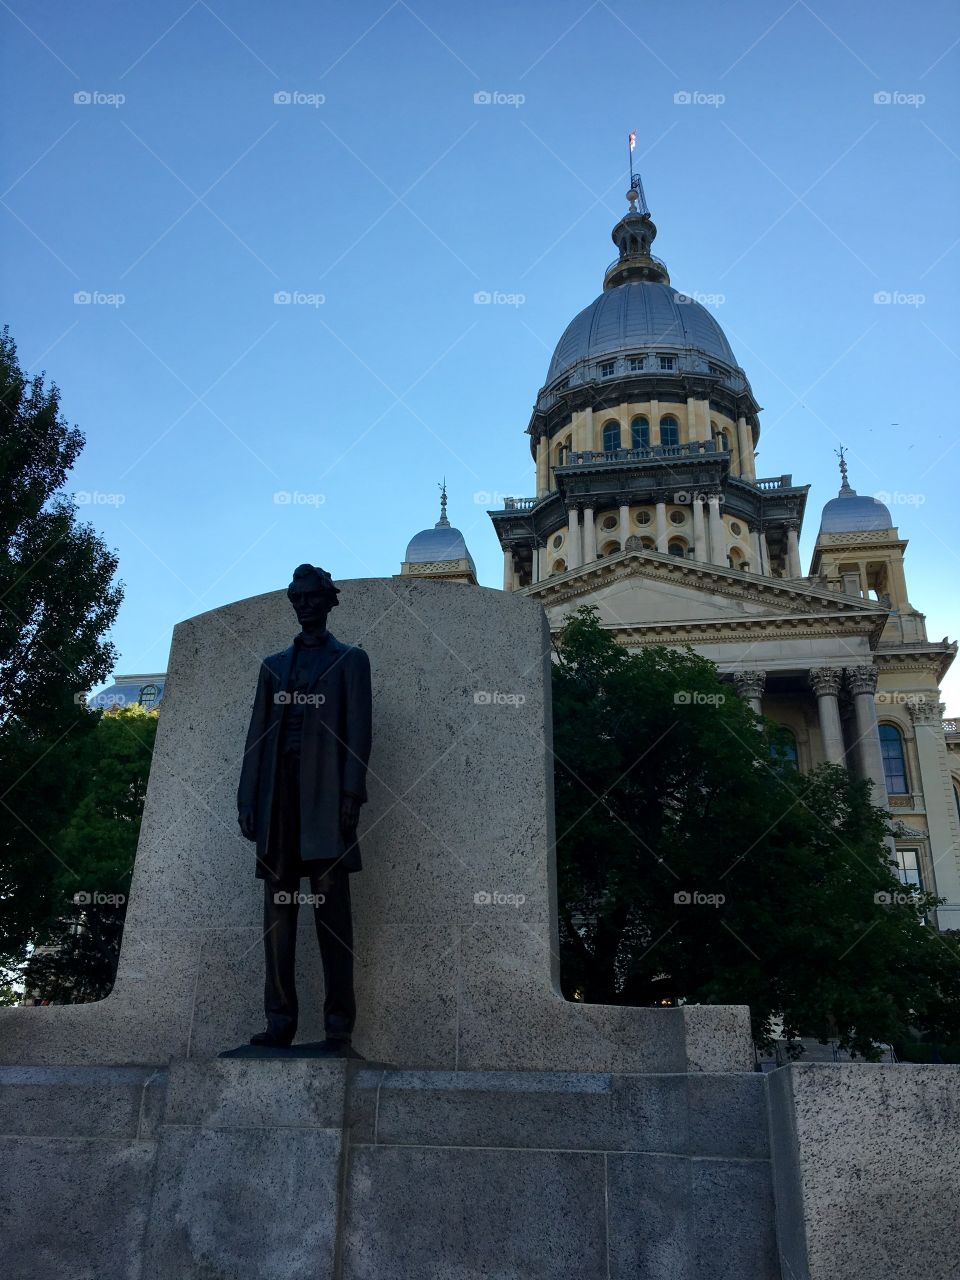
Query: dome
851, 512
640, 314
440, 543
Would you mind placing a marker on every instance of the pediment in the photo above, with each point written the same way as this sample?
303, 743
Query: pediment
643, 589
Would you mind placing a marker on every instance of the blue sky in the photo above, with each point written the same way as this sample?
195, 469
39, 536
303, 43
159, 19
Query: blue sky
385, 190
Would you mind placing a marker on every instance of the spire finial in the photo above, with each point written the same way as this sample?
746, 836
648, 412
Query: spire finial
443, 522
844, 482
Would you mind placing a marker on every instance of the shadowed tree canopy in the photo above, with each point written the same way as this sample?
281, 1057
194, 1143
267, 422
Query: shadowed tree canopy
58, 599
696, 863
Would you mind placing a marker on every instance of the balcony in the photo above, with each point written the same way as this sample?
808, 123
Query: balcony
654, 453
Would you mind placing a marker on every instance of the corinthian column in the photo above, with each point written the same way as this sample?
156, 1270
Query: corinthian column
793, 550
718, 542
862, 683
825, 682
749, 686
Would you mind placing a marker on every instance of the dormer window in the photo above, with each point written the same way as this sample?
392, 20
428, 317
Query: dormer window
607, 368
635, 364
668, 364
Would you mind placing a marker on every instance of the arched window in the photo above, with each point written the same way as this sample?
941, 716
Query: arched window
677, 548
609, 548
611, 437
559, 566
640, 433
669, 431
723, 444
894, 763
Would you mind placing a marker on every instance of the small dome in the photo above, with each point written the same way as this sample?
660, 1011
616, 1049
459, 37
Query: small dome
440, 543
640, 315
851, 512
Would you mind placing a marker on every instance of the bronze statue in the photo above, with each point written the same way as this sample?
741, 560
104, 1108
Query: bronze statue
301, 787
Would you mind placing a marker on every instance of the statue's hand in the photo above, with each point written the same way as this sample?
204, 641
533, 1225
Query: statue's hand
349, 817
248, 823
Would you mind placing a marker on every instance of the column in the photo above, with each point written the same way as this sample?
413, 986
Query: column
589, 536
624, 526
825, 682
745, 445
509, 581
862, 683
543, 466
699, 531
764, 553
749, 685
573, 538
943, 823
718, 540
661, 526
757, 554
793, 550
654, 422
693, 420
540, 562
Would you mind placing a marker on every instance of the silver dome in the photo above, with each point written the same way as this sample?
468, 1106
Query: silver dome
439, 543
851, 512
640, 315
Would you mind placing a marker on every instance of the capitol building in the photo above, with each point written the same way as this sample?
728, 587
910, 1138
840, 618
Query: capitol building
648, 506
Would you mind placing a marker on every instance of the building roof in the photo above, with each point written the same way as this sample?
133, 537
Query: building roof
635, 315
442, 542
851, 512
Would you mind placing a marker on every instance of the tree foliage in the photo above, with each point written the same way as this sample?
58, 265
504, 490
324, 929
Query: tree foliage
697, 864
97, 847
58, 599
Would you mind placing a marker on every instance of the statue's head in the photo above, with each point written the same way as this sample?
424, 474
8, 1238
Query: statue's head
312, 594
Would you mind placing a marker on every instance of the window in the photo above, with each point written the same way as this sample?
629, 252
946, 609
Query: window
557, 541
716, 370
635, 364
642, 517
640, 433
559, 566
668, 363
908, 868
607, 369
609, 522
677, 549
677, 517
723, 443
894, 764
669, 431
785, 751
149, 696
735, 528
611, 437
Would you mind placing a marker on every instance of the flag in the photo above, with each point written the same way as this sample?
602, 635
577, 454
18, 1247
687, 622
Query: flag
633, 140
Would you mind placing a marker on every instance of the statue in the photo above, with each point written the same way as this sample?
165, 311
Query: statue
301, 787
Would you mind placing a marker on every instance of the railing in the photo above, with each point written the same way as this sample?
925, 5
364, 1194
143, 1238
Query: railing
640, 258
519, 504
653, 453
775, 482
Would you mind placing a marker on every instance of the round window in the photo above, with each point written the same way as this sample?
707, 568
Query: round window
610, 522
558, 541
642, 517
677, 517
735, 529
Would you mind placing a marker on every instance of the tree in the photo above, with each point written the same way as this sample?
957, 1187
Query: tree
697, 864
57, 601
79, 953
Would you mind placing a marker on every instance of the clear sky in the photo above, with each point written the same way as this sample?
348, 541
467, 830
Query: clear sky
182, 197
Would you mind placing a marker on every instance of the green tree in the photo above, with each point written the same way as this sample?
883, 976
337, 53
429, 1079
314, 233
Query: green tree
78, 957
58, 599
695, 862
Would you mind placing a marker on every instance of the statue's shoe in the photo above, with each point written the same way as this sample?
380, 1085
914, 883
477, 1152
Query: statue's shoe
268, 1040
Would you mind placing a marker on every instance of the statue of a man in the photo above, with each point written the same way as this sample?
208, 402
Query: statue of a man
301, 787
